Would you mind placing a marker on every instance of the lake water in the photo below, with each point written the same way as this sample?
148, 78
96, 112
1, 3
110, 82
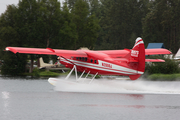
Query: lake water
27, 99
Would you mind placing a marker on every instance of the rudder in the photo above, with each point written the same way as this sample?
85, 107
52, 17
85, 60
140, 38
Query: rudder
138, 54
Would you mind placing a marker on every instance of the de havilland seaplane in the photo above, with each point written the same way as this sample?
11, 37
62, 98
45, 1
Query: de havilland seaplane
127, 62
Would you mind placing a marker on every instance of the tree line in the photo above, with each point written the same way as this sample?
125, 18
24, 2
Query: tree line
96, 24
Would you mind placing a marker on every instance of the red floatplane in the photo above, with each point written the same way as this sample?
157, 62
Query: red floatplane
127, 62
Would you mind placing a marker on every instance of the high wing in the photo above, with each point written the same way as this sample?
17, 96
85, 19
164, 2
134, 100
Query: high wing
156, 51
123, 53
47, 51
81, 53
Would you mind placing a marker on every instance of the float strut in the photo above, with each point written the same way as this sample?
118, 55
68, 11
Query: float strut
87, 74
74, 69
93, 78
63, 71
81, 75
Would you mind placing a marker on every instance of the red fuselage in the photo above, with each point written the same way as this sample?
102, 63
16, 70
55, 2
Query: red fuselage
101, 66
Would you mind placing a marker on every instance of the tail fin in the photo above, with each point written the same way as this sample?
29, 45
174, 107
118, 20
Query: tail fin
42, 64
137, 58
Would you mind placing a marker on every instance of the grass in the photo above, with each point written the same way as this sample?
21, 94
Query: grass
45, 73
167, 77
48, 74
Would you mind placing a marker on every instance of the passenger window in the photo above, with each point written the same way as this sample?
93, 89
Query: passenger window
85, 59
94, 61
91, 60
82, 59
76, 58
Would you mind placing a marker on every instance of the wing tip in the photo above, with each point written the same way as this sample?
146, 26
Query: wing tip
10, 49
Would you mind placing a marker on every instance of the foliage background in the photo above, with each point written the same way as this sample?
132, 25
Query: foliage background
96, 24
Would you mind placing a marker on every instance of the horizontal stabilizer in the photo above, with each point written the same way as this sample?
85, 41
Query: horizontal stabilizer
157, 51
155, 60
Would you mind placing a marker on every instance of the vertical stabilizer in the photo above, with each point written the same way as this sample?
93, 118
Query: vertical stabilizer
138, 54
44, 65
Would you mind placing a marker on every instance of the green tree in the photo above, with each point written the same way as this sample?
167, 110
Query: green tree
42, 23
161, 24
30, 24
67, 33
13, 65
120, 21
86, 25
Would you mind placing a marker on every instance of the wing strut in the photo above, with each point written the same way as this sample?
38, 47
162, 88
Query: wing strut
67, 60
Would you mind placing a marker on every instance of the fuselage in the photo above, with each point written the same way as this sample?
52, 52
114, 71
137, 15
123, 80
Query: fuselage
102, 66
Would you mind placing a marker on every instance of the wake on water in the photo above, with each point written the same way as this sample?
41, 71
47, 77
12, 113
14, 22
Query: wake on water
120, 86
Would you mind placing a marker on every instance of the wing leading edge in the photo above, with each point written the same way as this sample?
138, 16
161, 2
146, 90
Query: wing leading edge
156, 51
81, 53
47, 51
123, 53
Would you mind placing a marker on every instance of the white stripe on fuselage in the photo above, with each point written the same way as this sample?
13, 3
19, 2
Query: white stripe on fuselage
115, 68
